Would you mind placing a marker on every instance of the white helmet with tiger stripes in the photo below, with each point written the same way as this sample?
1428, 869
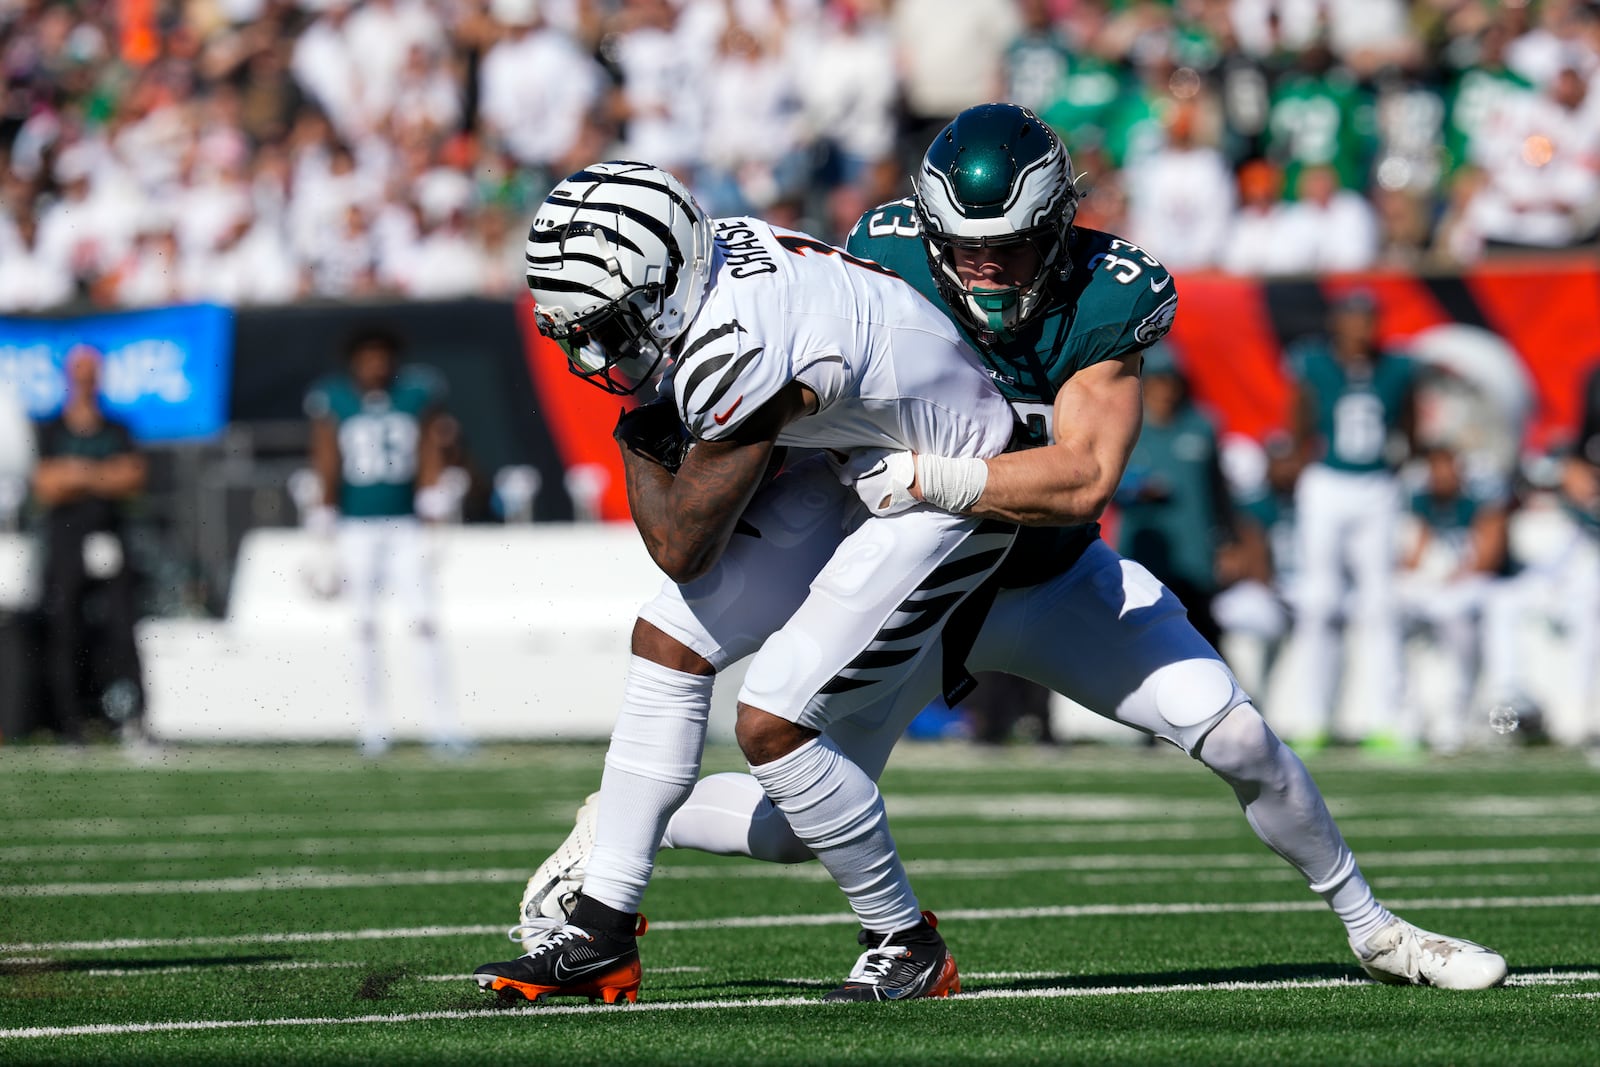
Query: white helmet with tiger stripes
619, 261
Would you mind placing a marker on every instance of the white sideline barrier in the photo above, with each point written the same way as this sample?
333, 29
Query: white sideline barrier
535, 622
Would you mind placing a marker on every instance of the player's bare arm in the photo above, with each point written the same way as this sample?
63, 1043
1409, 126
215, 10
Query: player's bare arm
325, 459
430, 449
1098, 413
1303, 426
686, 519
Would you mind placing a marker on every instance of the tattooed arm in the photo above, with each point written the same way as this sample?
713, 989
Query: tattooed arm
687, 520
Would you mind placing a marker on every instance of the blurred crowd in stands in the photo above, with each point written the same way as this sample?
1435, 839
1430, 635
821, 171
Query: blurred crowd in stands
262, 151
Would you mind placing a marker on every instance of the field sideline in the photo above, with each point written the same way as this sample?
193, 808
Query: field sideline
1107, 905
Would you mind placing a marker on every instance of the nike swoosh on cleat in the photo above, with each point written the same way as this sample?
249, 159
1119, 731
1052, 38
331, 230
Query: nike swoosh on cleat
566, 975
1154, 288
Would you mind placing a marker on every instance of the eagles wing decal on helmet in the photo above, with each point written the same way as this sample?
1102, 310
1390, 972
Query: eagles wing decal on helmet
618, 261
996, 176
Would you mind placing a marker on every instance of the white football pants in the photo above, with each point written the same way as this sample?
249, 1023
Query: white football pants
1348, 522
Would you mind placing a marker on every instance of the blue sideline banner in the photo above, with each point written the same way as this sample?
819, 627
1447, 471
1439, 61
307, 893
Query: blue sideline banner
166, 371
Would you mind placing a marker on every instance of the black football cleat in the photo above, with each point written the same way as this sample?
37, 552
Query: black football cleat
577, 959
903, 965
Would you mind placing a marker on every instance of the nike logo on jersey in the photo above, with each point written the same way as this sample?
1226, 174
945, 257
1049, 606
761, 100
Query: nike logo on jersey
726, 415
567, 974
1154, 288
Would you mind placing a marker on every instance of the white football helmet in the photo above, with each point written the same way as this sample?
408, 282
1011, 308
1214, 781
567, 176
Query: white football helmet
619, 261
996, 175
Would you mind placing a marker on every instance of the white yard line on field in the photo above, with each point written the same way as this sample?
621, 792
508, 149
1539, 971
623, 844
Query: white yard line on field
989, 806
92, 850
259, 823
1060, 911
183, 851
468, 977
207, 968
954, 868
1554, 978
488, 1014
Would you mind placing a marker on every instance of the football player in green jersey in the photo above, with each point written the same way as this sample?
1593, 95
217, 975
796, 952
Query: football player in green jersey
1353, 406
1455, 556
1060, 316
376, 449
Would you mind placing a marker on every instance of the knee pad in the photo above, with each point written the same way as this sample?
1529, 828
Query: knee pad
1239, 744
1192, 696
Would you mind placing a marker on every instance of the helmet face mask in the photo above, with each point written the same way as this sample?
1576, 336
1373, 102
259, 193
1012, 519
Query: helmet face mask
612, 347
619, 262
994, 177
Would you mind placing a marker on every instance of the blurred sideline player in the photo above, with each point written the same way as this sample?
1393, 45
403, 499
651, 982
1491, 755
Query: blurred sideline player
89, 469
376, 450
1060, 317
776, 338
1580, 569
1456, 554
1254, 612
1352, 404
1176, 513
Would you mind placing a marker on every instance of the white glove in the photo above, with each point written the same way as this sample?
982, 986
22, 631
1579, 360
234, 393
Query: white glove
322, 520
882, 479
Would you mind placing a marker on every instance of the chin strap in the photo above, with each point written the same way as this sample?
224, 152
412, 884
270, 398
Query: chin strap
993, 305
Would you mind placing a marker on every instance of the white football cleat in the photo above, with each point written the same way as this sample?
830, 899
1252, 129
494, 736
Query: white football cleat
551, 891
1402, 954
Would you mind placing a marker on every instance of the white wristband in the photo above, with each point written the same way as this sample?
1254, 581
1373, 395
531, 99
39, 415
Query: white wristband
951, 484
434, 503
322, 520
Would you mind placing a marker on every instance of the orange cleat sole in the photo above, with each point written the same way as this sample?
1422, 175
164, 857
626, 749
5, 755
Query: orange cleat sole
612, 987
949, 981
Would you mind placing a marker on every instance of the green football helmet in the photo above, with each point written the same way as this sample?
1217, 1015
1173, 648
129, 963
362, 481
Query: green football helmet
996, 176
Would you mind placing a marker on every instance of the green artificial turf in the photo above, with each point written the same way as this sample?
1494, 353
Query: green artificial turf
1107, 905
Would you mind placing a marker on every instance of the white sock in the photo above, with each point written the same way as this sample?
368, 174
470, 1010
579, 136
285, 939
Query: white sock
1287, 812
442, 726
836, 809
651, 767
1350, 897
729, 815
375, 727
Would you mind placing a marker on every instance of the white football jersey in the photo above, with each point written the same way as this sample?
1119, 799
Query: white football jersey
889, 370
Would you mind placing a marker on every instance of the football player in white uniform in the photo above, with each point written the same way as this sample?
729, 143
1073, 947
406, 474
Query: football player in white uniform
1096, 627
776, 340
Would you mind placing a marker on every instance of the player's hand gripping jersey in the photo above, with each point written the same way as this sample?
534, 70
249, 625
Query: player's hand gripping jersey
888, 371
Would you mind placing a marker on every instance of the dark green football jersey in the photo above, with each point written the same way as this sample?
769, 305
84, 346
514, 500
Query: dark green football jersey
379, 433
1177, 535
1445, 515
1356, 411
1115, 300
